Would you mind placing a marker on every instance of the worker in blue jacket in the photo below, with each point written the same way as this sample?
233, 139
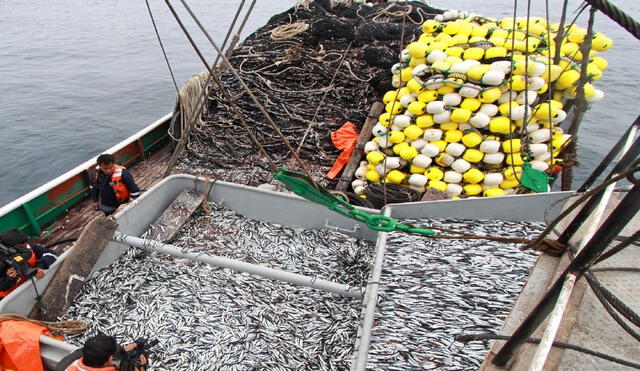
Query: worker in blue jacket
112, 185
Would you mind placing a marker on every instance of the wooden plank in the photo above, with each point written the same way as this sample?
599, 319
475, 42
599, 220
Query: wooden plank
180, 210
356, 156
73, 271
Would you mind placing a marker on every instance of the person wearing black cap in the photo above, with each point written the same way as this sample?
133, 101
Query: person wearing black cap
98, 354
17, 251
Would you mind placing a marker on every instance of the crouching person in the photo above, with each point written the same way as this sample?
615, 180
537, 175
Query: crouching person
21, 260
102, 353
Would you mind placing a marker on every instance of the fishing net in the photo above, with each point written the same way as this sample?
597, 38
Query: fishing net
289, 64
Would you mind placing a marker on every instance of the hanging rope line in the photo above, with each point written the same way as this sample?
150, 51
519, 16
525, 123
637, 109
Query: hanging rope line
617, 15
255, 100
187, 125
324, 96
164, 53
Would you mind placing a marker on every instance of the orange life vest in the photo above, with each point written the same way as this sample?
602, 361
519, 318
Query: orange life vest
121, 191
32, 263
78, 365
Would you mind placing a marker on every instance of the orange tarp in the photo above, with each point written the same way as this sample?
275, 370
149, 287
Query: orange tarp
345, 139
20, 345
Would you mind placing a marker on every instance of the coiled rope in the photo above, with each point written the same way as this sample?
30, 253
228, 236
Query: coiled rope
288, 31
72, 327
617, 15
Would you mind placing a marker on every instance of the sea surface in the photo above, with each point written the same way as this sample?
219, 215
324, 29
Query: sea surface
77, 77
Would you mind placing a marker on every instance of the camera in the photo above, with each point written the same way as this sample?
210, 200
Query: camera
130, 360
16, 258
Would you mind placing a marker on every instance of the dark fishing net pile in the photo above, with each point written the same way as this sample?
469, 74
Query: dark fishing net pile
289, 77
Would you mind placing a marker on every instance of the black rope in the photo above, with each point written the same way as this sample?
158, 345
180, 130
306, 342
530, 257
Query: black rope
43, 310
617, 15
610, 309
616, 269
619, 247
155, 28
490, 336
356, 200
620, 306
375, 193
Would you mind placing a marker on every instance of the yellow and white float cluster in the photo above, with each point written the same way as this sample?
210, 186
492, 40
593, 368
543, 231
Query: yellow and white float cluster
471, 104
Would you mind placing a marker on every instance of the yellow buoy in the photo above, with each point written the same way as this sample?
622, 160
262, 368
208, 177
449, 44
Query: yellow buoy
453, 136
513, 159
454, 51
473, 53
399, 147
509, 183
441, 144
434, 173
428, 96
384, 118
424, 121
395, 177
417, 108
449, 126
475, 73
471, 138
496, 52
472, 155
393, 107
460, 115
396, 136
500, 125
417, 49
429, 26
446, 89
568, 78
414, 169
408, 153
470, 104
375, 157
437, 184
601, 43
413, 132
472, 189
390, 96
489, 95
600, 62
373, 176
494, 192
512, 145
473, 176
415, 86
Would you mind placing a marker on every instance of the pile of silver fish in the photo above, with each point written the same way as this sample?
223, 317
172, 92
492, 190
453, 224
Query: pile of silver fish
207, 318
434, 289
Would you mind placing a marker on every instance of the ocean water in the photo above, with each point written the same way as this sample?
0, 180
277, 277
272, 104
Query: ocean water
80, 76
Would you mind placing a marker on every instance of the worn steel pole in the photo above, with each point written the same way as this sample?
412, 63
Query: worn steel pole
240, 266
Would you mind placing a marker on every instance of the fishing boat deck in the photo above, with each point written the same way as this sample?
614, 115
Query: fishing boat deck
71, 224
585, 322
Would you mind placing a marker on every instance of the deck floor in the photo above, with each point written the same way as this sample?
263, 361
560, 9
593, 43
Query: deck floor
71, 224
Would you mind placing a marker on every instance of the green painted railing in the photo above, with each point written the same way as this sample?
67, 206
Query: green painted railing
39, 209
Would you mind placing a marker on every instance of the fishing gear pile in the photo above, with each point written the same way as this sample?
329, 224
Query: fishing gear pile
477, 106
289, 65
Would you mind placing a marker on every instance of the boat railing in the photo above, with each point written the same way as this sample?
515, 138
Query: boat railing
41, 207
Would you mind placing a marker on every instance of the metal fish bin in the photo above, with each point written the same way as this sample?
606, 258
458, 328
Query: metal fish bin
417, 293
